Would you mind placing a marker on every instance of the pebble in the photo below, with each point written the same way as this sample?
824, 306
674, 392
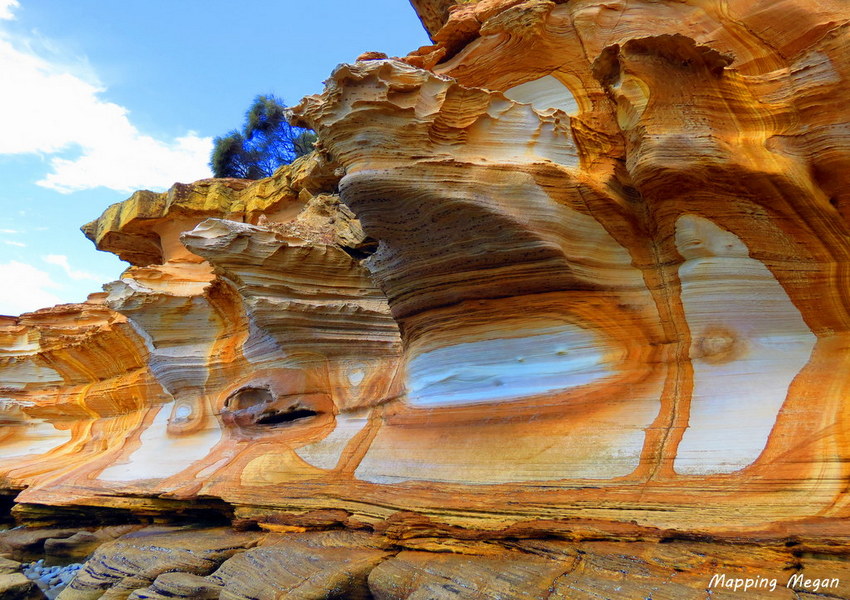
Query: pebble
51, 580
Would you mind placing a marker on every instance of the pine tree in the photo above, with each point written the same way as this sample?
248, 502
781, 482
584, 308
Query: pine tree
266, 142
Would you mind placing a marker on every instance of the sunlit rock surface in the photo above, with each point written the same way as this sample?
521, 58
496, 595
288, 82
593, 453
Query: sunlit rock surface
577, 264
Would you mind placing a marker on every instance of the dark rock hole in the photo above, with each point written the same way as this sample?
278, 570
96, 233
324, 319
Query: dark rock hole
363, 250
286, 416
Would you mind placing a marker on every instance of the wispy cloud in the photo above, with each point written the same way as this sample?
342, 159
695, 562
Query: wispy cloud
73, 117
18, 244
9, 231
6, 7
60, 260
30, 292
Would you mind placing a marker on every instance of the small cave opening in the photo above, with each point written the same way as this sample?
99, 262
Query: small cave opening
248, 397
278, 417
7, 502
363, 250
262, 405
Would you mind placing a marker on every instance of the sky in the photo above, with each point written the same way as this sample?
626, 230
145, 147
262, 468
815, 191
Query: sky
100, 98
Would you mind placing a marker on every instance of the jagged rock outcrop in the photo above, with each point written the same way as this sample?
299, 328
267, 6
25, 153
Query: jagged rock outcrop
155, 563
134, 561
17, 587
576, 270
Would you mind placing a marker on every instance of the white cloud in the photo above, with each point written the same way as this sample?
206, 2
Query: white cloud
46, 109
18, 244
61, 260
26, 288
6, 7
9, 231
131, 163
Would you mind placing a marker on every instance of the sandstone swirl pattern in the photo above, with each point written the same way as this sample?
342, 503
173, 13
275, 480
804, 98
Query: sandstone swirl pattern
576, 260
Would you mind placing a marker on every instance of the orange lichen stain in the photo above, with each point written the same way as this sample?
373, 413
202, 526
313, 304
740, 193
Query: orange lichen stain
272, 527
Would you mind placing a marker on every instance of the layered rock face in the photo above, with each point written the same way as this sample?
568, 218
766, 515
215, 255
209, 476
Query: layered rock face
578, 266
628, 224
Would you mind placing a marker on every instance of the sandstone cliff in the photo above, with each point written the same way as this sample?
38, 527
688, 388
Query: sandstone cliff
577, 270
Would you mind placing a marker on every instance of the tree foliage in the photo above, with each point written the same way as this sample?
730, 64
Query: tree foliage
266, 142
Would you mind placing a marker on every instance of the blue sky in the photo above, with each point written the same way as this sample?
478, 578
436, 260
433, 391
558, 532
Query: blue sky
99, 98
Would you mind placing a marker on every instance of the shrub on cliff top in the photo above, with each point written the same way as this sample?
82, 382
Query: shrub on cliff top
266, 142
